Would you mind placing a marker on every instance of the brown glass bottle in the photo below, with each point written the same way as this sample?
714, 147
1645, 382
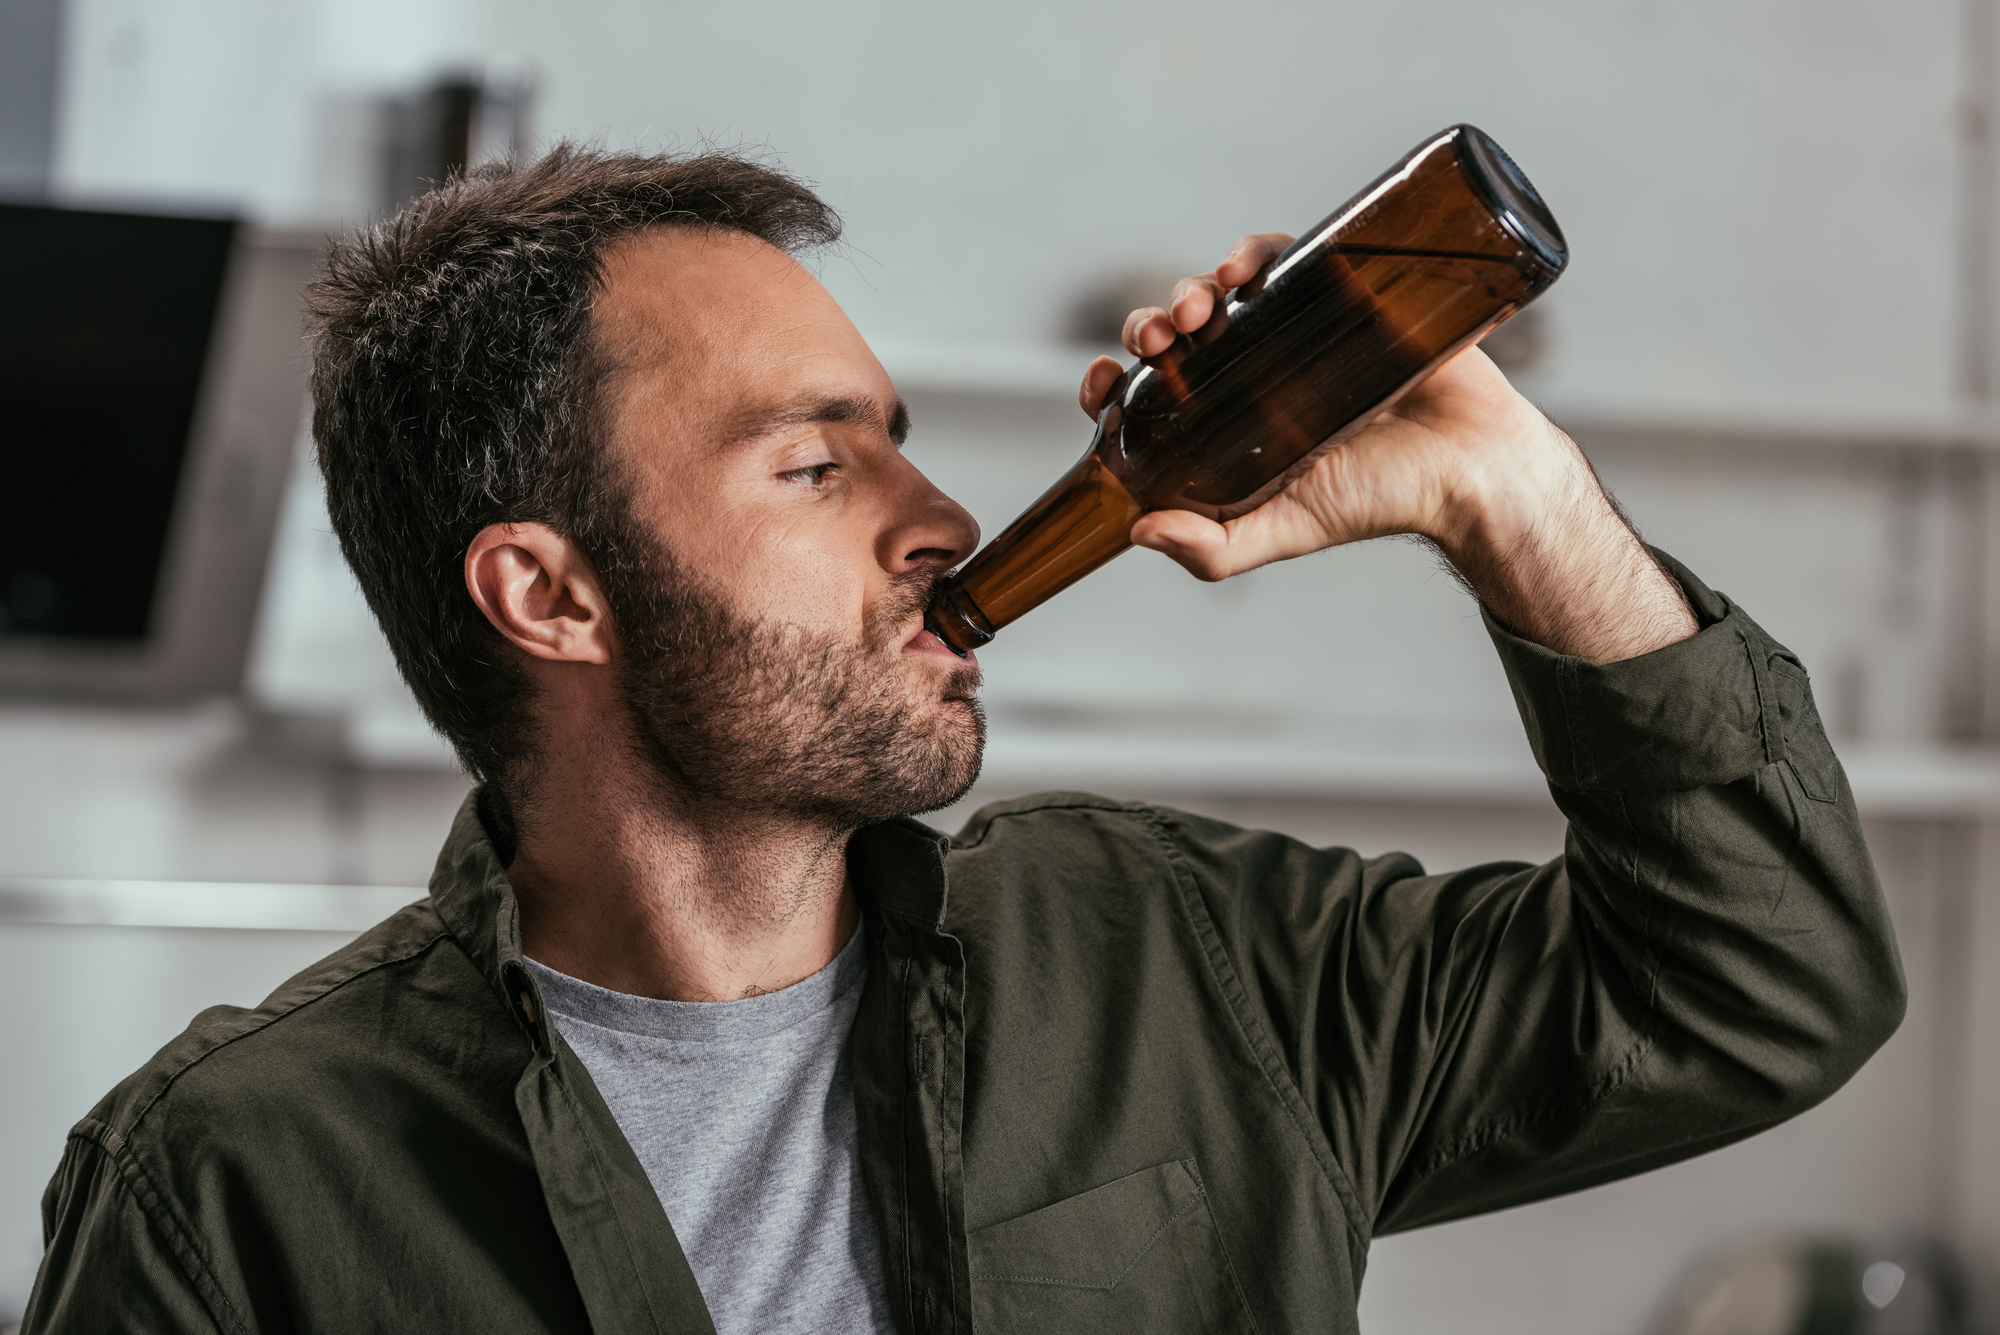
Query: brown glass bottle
1394, 283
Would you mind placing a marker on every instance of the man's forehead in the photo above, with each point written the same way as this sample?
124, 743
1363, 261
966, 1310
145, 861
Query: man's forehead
695, 303
702, 275
737, 336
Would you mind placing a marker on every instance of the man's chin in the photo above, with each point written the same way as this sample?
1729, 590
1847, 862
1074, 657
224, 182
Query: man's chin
948, 763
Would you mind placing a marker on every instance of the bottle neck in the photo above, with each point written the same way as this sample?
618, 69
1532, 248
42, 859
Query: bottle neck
956, 620
1078, 525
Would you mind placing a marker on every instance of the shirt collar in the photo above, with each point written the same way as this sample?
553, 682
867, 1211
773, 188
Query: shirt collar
471, 893
899, 867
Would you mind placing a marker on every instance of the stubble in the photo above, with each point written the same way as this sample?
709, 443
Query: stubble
778, 719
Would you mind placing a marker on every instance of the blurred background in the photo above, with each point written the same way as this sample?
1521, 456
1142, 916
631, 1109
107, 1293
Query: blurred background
1777, 341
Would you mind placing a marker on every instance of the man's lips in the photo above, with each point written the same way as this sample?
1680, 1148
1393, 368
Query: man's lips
924, 641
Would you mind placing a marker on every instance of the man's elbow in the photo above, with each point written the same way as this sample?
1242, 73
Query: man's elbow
1859, 1013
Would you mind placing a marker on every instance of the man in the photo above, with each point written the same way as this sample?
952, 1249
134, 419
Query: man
698, 1030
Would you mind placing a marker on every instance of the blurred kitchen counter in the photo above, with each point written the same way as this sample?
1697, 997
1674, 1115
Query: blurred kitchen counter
209, 793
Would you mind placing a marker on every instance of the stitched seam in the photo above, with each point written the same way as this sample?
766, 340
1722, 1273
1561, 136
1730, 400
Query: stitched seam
944, 1165
133, 1179
604, 1186
1596, 1093
1767, 703
1583, 765
1655, 947
1222, 1245
1806, 705
903, 1149
1201, 1198
1231, 985
1076, 803
1798, 832
206, 1053
1807, 788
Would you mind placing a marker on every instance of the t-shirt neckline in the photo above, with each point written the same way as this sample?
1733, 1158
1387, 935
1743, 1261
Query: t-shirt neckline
707, 1021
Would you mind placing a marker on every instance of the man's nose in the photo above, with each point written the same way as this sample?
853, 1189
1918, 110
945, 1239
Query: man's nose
928, 527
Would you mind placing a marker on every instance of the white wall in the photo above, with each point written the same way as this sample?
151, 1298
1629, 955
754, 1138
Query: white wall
247, 104
1759, 196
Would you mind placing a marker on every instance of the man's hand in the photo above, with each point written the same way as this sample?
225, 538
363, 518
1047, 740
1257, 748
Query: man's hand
1462, 460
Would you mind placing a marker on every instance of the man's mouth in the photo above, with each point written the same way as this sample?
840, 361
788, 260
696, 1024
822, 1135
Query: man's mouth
924, 641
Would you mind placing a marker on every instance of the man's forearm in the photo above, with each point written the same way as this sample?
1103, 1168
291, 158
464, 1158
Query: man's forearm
1549, 554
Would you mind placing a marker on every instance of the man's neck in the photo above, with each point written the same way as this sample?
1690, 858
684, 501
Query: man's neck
636, 886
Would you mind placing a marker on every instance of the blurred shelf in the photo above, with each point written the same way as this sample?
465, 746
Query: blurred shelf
1295, 763
392, 733
1924, 782
1660, 426
224, 904
1292, 762
1170, 750
1053, 371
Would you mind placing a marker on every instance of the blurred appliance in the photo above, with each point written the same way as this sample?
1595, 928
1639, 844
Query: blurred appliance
1811, 1286
151, 386
461, 119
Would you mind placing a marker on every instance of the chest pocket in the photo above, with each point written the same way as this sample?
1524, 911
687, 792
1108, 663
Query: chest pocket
1140, 1254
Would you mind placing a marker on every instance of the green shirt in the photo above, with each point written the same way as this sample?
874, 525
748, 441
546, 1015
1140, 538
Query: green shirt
1117, 1068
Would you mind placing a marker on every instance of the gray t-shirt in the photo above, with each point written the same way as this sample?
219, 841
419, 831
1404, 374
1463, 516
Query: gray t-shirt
742, 1113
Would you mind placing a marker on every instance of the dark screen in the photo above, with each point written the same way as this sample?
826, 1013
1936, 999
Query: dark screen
105, 326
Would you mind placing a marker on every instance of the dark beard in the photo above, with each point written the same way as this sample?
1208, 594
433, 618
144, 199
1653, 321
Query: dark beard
775, 719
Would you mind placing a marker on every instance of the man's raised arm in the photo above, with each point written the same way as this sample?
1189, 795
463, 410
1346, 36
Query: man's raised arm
1711, 953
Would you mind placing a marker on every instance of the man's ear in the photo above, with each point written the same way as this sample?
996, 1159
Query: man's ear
539, 591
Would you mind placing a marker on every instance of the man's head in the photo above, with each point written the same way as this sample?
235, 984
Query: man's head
608, 461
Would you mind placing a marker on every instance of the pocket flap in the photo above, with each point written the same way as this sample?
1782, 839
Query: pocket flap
1092, 1240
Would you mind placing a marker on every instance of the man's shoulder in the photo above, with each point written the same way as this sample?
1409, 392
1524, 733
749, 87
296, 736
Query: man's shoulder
1040, 822
1068, 844
332, 1027
1078, 821
1068, 840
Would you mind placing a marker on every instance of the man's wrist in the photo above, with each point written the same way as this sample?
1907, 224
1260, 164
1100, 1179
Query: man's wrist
1507, 492
1533, 533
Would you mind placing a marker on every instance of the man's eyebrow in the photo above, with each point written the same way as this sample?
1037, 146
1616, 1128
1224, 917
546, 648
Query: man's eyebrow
834, 408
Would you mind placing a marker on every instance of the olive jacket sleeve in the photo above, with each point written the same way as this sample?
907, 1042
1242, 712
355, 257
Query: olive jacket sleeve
117, 1261
1709, 955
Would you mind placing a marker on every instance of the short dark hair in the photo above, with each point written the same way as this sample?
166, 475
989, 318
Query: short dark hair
455, 385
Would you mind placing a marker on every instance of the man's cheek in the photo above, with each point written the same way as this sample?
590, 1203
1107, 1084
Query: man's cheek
810, 597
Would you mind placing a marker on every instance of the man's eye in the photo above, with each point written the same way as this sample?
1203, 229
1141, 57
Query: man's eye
811, 474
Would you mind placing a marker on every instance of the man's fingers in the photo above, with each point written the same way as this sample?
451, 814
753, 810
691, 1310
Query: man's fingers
1248, 256
1097, 381
1149, 332
1198, 543
1193, 301
1278, 530
1196, 298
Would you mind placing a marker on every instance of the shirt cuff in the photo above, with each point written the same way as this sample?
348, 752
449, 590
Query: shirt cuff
1710, 709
